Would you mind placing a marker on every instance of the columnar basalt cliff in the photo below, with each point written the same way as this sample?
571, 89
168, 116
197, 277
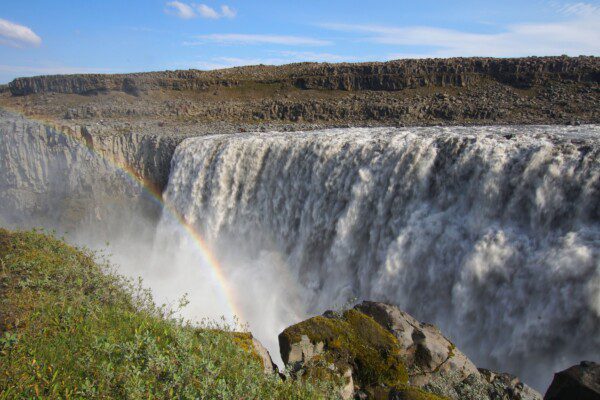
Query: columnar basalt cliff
388, 76
308, 95
66, 178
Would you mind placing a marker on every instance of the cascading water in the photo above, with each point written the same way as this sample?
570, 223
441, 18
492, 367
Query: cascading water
492, 233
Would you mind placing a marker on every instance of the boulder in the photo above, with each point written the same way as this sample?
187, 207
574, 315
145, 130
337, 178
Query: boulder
427, 352
581, 382
436, 365
505, 386
387, 354
349, 348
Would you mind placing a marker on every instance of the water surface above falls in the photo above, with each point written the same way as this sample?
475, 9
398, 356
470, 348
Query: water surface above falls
491, 233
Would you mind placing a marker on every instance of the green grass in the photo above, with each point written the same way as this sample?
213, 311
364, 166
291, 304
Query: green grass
71, 328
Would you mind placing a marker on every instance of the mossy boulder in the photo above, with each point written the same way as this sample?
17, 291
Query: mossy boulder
412, 393
428, 353
435, 365
387, 354
331, 345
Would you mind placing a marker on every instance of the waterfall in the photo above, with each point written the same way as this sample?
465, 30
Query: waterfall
491, 233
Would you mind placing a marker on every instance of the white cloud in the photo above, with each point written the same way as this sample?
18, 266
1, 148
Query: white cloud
579, 34
300, 56
181, 10
228, 12
189, 11
275, 58
16, 35
208, 12
580, 9
239, 38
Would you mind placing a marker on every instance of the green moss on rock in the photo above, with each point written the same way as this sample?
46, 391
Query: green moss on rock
355, 340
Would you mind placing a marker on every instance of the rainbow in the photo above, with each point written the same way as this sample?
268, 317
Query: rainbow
208, 256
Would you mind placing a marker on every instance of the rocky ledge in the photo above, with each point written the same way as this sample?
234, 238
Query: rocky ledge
377, 351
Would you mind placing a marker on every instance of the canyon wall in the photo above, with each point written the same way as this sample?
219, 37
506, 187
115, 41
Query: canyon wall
65, 178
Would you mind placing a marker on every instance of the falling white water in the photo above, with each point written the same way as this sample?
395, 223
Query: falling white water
491, 233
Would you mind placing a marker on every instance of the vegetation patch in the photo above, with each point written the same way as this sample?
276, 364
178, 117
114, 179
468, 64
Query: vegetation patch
71, 328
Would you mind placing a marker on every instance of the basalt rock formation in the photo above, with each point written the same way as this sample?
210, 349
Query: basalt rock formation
380, 352
388, 76
300, 96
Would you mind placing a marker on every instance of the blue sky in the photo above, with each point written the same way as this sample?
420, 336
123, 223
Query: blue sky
67, 36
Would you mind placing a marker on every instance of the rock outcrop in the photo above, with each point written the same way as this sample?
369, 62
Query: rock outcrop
535, 90
580, 382
76, 180
387, 76
385, 353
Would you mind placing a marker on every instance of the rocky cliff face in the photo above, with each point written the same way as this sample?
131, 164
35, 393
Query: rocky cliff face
404, 92
147, 156
389, 76
71, 180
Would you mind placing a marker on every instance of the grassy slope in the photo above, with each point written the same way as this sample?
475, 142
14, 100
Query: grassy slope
71, 329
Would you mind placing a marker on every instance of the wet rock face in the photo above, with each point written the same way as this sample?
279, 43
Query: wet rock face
581, 382
76, 181
415, 362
